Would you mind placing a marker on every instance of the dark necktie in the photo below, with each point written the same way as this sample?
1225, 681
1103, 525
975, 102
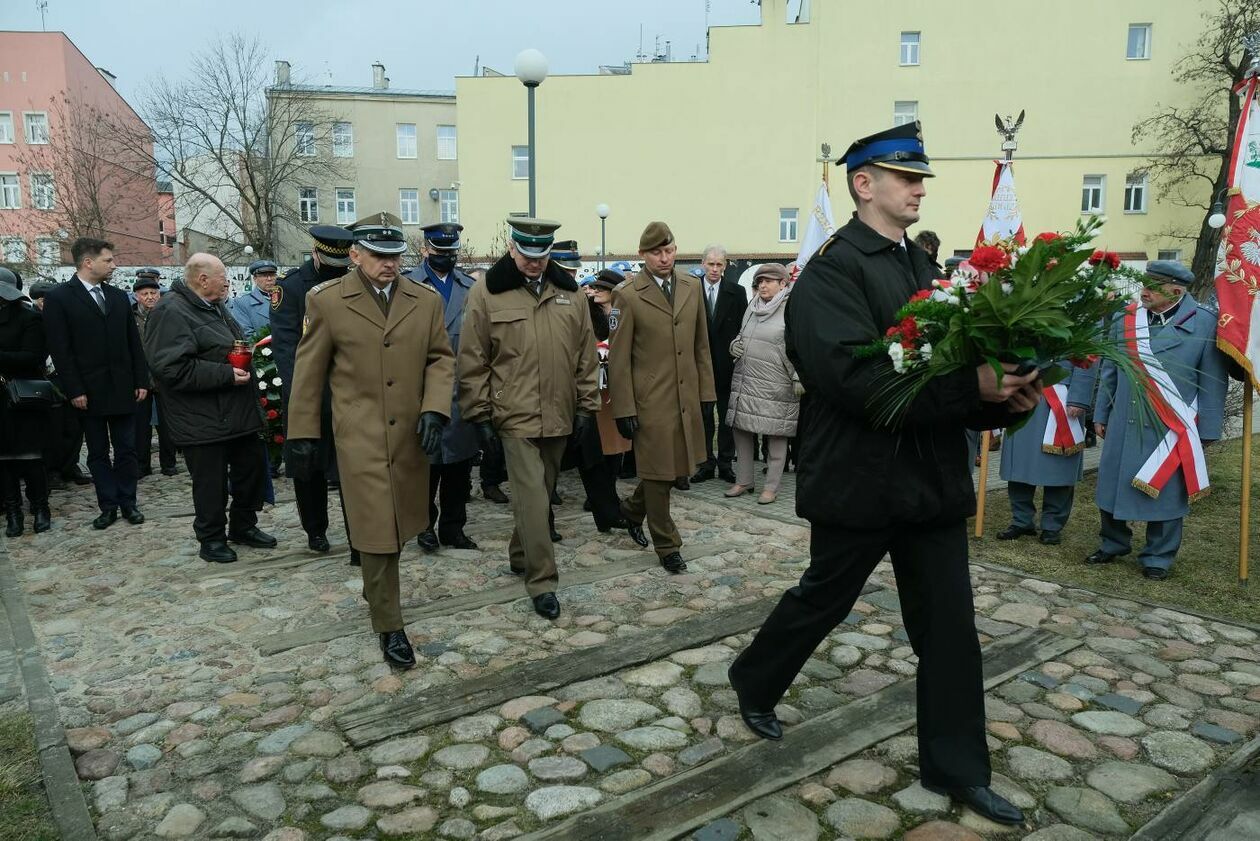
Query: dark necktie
667, 287
711, 301
384, 300
100, 297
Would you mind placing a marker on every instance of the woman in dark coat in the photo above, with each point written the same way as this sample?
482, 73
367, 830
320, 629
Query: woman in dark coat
22, 356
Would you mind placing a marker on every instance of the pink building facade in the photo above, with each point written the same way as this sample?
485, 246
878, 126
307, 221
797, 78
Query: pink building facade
60, 178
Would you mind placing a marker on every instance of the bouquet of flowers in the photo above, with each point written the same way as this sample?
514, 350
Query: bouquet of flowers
269, 394
1030, 305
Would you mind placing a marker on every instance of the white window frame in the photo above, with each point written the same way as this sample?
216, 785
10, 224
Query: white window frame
905, 111
346, 205
9, 254
26, 128
11, 189
47, 251
343, 139
304, 139
1146, 42
1136, 184
399, 137
43, 191
789, 223
1092, 191
1173, 254
308, 206
448, 206
409, 205
911, 49
447, 145
520, 160
7, 134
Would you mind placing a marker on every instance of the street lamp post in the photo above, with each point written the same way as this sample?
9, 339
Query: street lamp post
531, 69
602, 210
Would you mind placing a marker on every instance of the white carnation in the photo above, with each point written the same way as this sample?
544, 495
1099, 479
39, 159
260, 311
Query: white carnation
266, 351
1007, 288
925, 352
262, 386
275, 381
897, 354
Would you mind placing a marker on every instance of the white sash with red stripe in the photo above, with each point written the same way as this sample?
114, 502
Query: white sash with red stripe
1064, 435
1181, 448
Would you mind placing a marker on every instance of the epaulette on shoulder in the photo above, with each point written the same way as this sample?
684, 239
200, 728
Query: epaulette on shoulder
426, 287
831, 240
320, 287
619, 286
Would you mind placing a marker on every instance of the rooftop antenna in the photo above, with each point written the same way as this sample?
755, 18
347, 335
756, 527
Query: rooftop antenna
639, 56
42, 5
477, 66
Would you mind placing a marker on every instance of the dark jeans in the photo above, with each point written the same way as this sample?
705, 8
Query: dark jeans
934, 584
725, 438
144, 437
600, 482
450, 485
115, 480
211, 466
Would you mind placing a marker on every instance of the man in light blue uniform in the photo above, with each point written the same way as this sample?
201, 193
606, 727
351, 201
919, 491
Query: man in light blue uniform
1029, 461
1183, 341
450, 473
252, 311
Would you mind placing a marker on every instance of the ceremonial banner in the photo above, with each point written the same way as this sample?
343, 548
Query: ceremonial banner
818, 229
1238, 262
1003, 219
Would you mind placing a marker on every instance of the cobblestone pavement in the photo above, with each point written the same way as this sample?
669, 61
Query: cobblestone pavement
182, 728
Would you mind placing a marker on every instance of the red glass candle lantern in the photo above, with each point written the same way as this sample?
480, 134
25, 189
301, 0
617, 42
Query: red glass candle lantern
240, 356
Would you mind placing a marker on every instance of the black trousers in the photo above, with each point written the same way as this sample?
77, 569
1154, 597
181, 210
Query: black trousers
64, 440
934, 584
144, 437
115, 478
312, 505
493, 470
600, 482
715, 421
211, 466
450, 485
31, 472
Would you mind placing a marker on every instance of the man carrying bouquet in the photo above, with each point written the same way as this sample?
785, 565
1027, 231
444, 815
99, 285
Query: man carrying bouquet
1152, 465
908, 491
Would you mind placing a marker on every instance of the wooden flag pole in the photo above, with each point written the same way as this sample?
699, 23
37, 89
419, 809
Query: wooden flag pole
984, 481
1244, 529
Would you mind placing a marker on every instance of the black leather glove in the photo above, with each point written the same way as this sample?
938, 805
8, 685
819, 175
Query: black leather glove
489, 440
627, 426
582, 424
430, 431
301, 458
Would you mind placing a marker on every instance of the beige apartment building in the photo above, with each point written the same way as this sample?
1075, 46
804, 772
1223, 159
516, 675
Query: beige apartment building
399, 150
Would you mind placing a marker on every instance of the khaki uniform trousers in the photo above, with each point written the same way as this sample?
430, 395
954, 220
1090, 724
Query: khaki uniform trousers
532, 467
380, 588
650, 501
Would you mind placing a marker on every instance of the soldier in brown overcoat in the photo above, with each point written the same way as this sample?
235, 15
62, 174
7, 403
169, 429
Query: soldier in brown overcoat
379, 341
661, 373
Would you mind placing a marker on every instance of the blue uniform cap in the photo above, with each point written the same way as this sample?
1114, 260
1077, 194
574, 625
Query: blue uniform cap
1169, 271
899, 148
565, 254
262, 266
696, 272
622, 267
443, 236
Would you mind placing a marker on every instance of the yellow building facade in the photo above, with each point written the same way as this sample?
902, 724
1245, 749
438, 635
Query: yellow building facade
724, 150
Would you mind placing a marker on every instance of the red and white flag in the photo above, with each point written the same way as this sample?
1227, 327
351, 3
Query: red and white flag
1238, 261
1003, 219
818, 229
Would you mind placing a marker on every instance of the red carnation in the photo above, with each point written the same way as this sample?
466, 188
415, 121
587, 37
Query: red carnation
921, 295
272, 414
1086, 362
279, 439
1113, 259
890, 332
263, 401
1048, 236
909, 329
989, 259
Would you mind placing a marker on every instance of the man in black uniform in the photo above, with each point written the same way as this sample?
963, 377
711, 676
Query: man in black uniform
908, 492
330, 259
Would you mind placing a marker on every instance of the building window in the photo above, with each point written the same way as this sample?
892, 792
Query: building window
905, 112
1092, 193
409, 206
343, 140
1173, 254
787, 224
1135, 193
36, 123
305, 139
446, 145
520, 162
14, 250
909, 49
47, 252
6, 126
10, 192
308, 204
345, 206
448, 202
43, 195
406, 133
1139, 42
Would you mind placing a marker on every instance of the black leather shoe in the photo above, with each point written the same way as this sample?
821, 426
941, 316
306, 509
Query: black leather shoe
556, 536
1051, 538
255, 537
1155, 573
105, 519
42, 517
145, 471
704, 474
217, 552
170, 471
682, 483
547, 605
427, 541
1101, 557
674, 563
459, 541
556, 499
16, 524
726, 474
397, 650
1014, 532
494, 493
354, 559
764, 724
133, 516
318, 543
517, 572
983, 801
637, 535
619, 523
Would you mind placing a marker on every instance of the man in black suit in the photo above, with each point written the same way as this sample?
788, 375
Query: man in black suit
96, 349
725, 302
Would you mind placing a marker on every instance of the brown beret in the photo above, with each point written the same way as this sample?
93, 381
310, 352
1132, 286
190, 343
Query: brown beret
655, 235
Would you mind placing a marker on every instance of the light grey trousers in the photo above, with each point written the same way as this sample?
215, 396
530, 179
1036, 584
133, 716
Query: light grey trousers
745, 451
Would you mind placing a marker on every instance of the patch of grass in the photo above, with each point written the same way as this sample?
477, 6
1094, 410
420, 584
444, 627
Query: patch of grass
24, 810
1205, 574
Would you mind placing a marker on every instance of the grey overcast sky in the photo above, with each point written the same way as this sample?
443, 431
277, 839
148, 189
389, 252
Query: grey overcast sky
422, 44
